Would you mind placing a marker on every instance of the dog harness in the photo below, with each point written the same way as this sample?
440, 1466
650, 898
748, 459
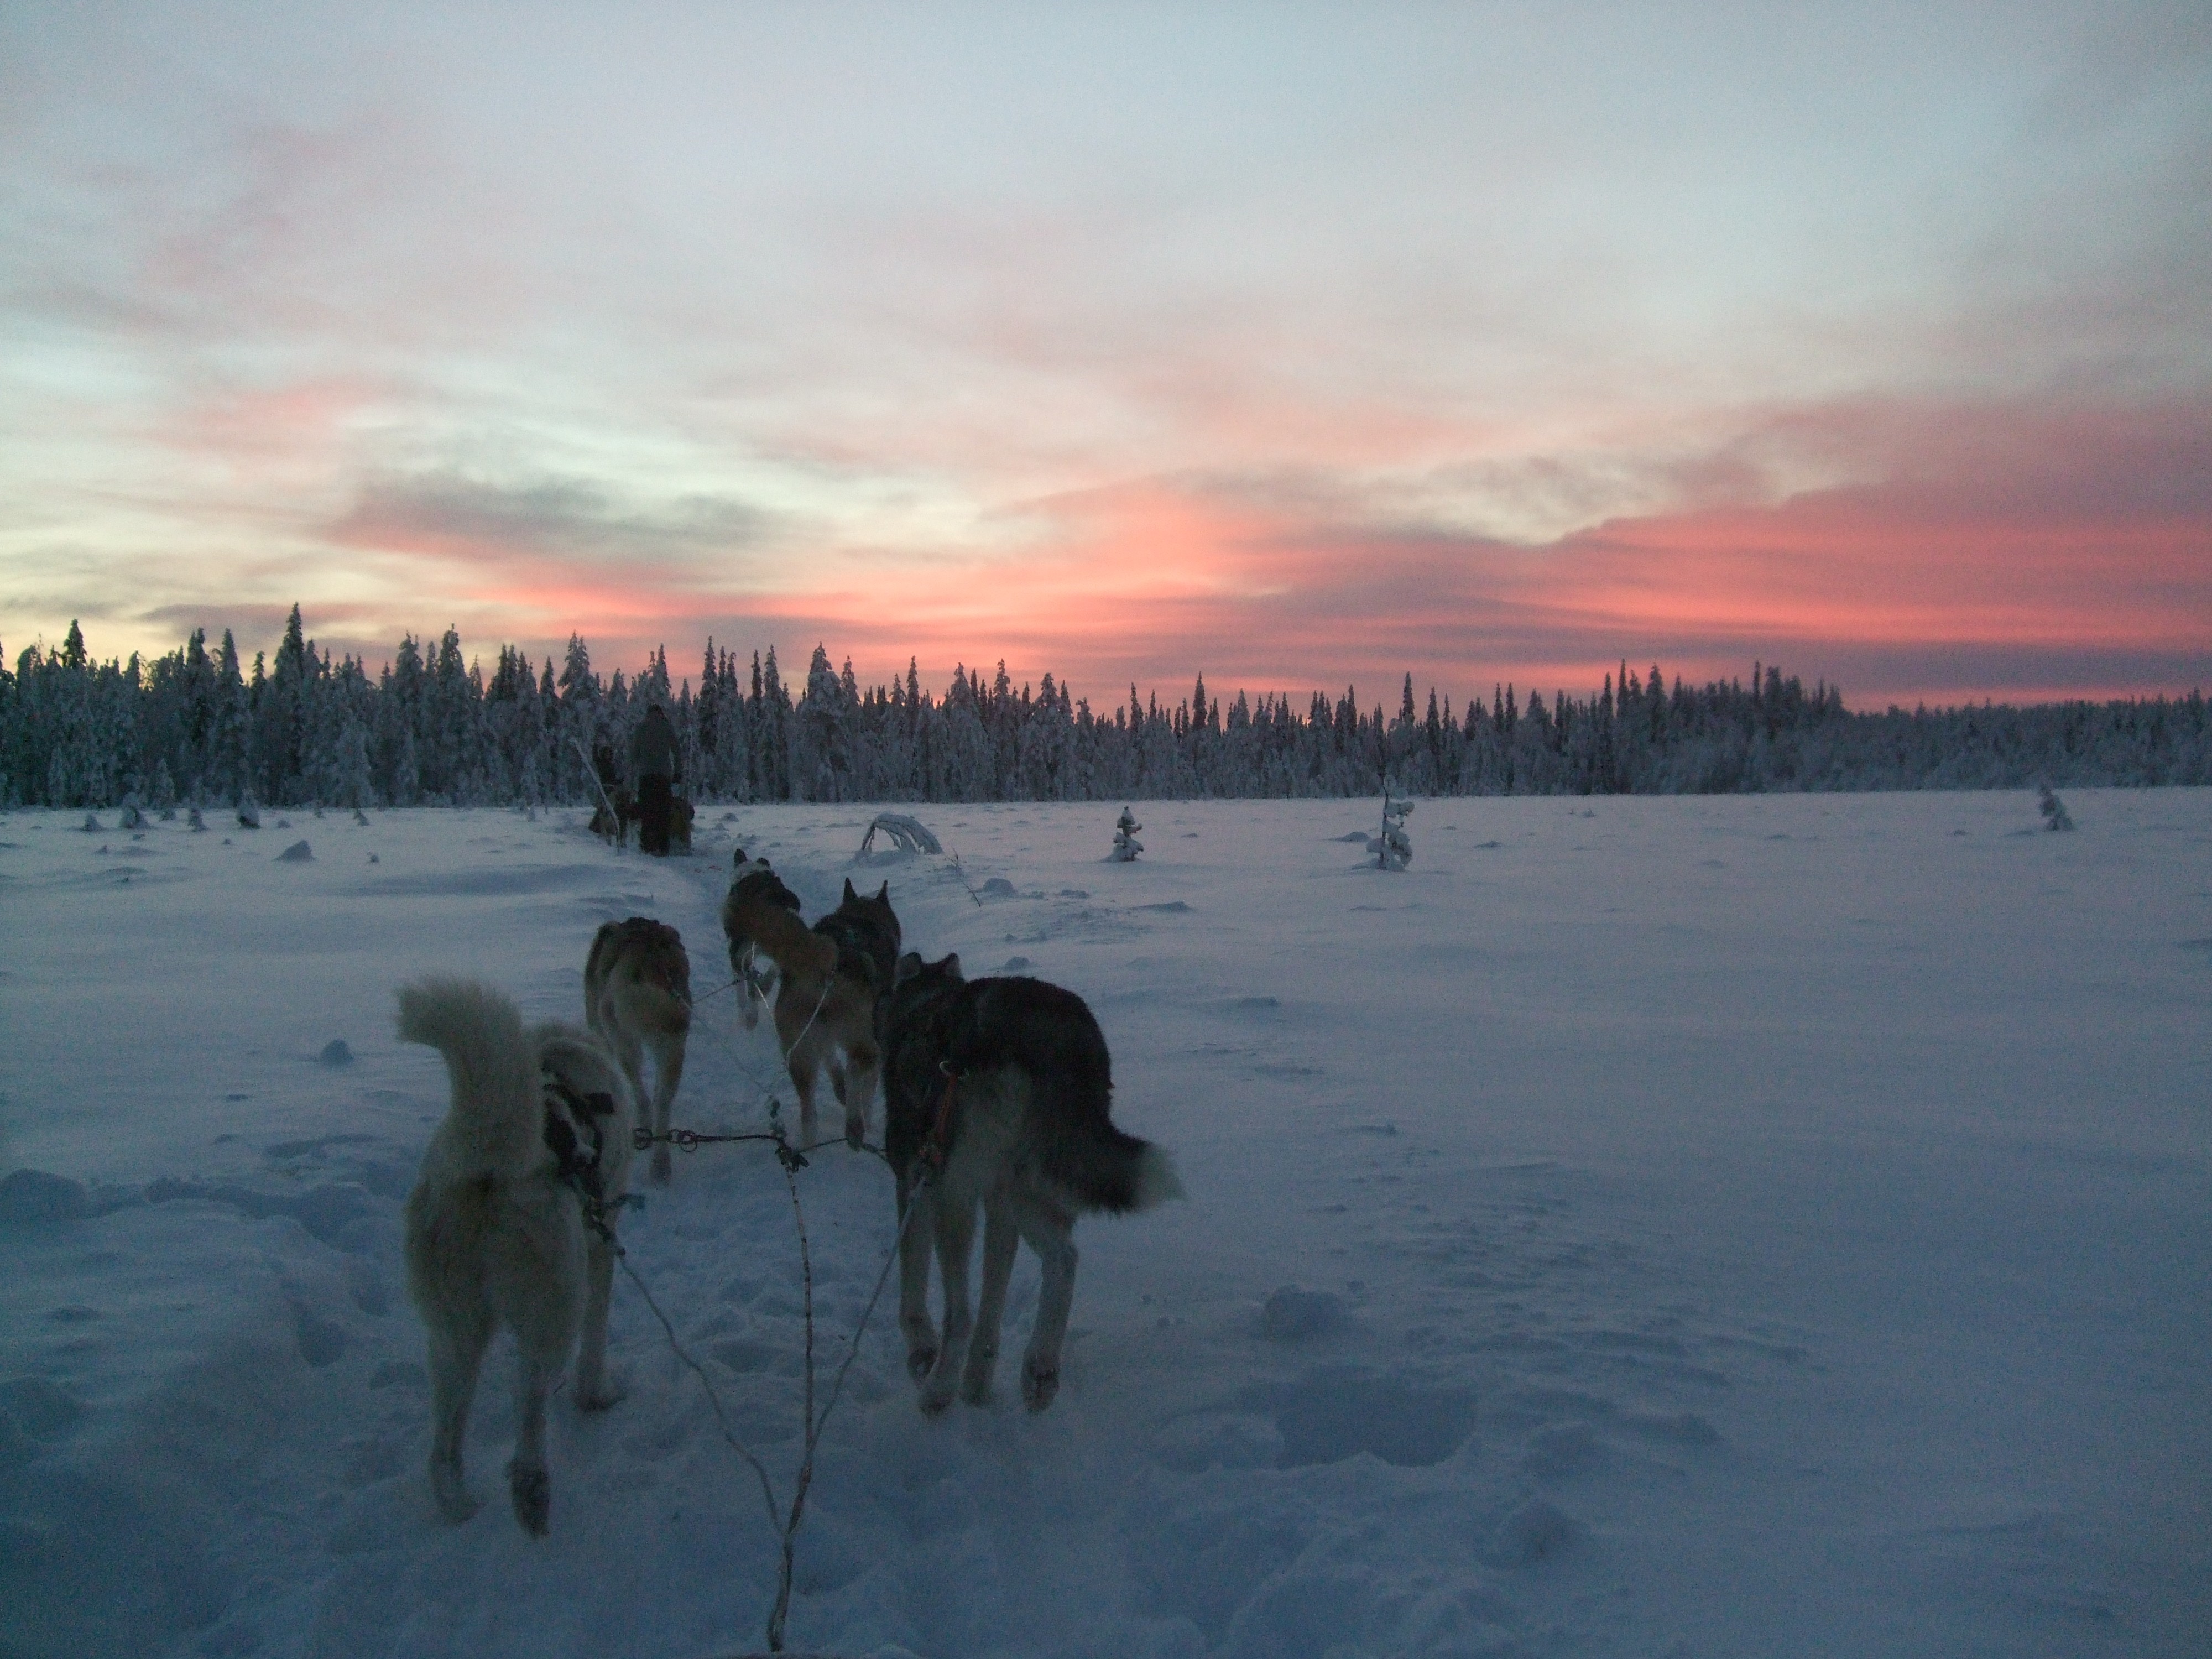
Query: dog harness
938, 1145
576, 1168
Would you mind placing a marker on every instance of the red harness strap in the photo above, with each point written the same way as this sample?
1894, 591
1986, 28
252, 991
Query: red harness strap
939, 1143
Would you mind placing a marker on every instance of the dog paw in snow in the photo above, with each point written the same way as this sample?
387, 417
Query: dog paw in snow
532, 1487
936, 1395
452, 1493
1039, 1385
598, 1396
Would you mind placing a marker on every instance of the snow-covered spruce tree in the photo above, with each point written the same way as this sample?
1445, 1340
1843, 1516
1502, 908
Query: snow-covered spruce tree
1126, 844
2055, 816
576, 726
701, 765
821, 733
346, 777
771, 726
278, 731
1393, 848
397, 755
734, 744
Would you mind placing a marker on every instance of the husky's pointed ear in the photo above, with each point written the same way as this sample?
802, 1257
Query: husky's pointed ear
884, 892
737, 859
950, 964
849, 894
909, 966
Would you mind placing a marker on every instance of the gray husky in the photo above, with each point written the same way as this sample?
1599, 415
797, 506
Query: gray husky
510, 1222
997, 1094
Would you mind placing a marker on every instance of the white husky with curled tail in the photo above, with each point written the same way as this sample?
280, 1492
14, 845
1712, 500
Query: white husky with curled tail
510, 1222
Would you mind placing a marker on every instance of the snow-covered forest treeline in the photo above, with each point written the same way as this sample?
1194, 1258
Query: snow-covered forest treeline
430, 727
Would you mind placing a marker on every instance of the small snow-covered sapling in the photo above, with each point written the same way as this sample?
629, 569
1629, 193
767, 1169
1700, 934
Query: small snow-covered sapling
1393, 848
1126, 844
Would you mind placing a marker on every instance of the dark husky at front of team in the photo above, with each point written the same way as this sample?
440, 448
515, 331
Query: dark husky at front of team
998, 1089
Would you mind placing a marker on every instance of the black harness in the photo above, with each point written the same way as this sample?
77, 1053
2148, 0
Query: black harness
578, 1166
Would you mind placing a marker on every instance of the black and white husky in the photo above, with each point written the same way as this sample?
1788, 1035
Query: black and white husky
997, 1094
511, 1224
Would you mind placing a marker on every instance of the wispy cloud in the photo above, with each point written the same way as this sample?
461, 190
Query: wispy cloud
489, 524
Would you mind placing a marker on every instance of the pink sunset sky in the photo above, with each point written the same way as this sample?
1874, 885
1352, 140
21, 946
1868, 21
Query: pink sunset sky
1297, 346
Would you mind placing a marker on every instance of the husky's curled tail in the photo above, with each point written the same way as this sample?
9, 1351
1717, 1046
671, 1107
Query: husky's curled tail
495, 1126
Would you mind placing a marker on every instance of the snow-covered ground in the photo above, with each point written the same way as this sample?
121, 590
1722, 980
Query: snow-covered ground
1759, 1226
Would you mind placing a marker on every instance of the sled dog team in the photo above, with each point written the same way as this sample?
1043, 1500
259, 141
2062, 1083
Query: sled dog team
996, 1097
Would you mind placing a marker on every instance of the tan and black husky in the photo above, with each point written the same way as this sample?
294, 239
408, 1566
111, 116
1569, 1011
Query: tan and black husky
510, 1222
754, 888
637, 998
832, 980
997, 1095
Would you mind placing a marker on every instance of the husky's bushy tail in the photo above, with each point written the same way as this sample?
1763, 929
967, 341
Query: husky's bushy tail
1118, 1173
1049, 1033
780, 936
496, 1124
1104, 1168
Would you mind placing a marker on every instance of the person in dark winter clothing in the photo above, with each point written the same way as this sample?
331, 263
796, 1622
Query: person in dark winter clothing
658, 767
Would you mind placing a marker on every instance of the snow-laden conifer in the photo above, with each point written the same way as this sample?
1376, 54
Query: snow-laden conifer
1393, 848
1126, 844
2055, 816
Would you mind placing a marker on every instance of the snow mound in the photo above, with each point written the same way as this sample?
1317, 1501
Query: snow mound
1537, 1531
34, 1198
1290, 1314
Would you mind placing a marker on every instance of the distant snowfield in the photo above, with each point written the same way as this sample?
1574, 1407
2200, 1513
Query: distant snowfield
1712, 1227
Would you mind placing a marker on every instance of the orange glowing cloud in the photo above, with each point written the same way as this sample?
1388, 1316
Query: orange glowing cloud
2013, 556
1963, 553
